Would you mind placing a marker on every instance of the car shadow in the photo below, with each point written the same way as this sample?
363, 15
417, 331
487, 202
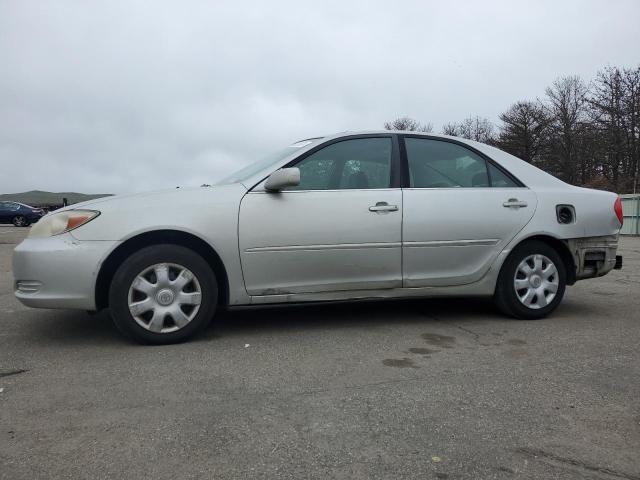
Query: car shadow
362, 314
81, 328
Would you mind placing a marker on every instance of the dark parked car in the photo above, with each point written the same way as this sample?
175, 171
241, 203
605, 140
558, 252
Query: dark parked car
19, 214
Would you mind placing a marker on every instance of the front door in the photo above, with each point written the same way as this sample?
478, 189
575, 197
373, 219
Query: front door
460, 211
339, 229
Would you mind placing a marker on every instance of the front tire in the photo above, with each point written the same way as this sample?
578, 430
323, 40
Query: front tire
163, 294
532, 281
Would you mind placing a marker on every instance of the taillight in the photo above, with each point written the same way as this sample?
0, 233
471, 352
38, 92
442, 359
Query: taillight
617, 207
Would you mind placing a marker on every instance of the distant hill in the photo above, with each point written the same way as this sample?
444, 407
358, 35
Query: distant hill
38, 197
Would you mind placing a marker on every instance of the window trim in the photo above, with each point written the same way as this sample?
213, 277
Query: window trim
395, 165
406, 179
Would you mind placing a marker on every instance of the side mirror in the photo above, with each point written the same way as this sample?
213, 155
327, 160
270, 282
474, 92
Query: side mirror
285, 177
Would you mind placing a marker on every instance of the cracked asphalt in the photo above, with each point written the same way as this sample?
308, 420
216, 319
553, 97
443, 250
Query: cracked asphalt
442, 389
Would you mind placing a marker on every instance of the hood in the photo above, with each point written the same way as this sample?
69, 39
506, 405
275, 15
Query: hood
196, 210
153, 198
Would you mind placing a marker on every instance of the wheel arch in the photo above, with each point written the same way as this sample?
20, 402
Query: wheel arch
156, 237
559, 246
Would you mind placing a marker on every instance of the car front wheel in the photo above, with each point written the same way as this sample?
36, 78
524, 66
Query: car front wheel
532, 281
163, 294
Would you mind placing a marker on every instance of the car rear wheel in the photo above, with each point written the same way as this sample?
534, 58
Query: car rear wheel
532, 281
163, 294
20, 221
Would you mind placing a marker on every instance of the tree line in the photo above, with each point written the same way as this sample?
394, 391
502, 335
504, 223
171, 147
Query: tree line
585, 133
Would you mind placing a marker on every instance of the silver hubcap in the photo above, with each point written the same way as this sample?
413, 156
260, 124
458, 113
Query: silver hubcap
164, 297
536, 281
19, 221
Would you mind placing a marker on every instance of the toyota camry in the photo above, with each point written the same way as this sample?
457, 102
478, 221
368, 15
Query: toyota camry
349, 216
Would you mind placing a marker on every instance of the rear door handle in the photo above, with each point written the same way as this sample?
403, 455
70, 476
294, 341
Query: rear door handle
383, 207
514, 203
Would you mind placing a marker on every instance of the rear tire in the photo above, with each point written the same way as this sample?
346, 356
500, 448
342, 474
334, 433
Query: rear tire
163, 294
532, 281
20, 221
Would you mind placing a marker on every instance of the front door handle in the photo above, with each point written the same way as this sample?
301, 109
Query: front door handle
383, 207
514, 203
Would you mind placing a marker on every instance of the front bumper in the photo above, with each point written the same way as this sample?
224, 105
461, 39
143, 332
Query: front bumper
59, 271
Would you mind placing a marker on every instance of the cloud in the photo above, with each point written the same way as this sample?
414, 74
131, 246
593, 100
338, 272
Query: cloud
128, 96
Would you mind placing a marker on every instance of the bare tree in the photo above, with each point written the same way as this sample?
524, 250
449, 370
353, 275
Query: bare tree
566, 106
525, 131
608, 116
450, 129
473, 128
586, 135
615, 117
409, 125
478, 129
631, 82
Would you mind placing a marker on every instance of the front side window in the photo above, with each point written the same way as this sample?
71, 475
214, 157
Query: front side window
359, 163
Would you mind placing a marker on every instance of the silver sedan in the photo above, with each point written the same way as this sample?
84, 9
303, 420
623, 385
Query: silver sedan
349, 216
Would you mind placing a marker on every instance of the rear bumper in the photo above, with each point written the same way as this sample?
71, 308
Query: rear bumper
58, 272
594, 256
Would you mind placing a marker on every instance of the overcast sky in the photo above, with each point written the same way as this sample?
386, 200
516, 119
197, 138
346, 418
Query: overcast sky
129, 96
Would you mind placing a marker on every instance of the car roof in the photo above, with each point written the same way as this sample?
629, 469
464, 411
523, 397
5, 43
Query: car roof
348, 133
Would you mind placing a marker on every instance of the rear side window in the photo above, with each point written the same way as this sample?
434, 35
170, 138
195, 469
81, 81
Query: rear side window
500, 179
440, 164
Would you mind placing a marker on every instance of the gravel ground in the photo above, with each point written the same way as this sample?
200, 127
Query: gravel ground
439, 389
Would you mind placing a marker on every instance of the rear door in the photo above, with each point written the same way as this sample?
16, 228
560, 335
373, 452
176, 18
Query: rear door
460, 211
340, 229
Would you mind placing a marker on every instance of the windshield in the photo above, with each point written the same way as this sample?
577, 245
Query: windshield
256, 167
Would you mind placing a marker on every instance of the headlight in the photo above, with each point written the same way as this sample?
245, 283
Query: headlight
62, 222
